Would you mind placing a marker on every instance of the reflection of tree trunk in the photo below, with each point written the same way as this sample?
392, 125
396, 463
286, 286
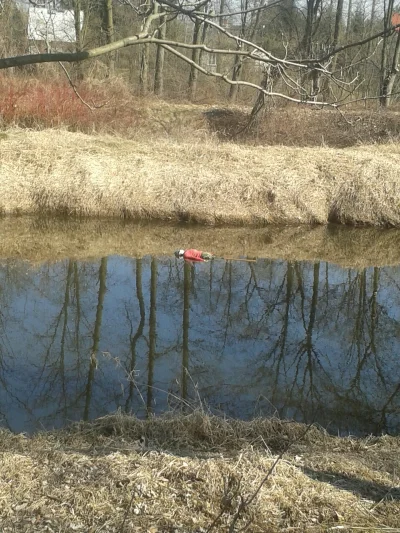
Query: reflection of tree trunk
360, 313
284, 331
139, 331
310, 329
227, 312
314, 303
185, 327
373, 308
96, 335
359, 330
78, 306
289, 289
152, 333
64, 330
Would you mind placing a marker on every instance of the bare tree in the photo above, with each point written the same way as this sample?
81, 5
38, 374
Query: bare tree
294, 68
160, 56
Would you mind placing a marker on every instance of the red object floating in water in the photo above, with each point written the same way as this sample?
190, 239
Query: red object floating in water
194, 255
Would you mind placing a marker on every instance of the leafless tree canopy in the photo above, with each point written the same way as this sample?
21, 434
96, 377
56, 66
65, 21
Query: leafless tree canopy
309, 52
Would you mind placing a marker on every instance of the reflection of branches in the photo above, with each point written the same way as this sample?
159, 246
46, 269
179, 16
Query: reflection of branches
307, 346
64, 331
133, 339
58, 319
185, 328
78, 310
152, 334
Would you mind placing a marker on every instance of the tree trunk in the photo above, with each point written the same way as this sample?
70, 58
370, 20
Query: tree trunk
194, 73
144, 70
109, 29
388, 82
308, 32
385, 73
236, 72
338, 23
78, 37
221, 22
159, 68
348, 25
335, 41
237, 65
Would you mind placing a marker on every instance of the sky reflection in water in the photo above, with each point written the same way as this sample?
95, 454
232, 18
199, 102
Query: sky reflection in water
313, 342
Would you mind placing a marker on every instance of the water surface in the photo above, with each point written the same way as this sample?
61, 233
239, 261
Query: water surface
305, 340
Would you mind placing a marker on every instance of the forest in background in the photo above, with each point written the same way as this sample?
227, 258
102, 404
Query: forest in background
323, 52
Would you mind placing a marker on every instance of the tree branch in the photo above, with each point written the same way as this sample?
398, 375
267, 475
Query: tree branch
245, 83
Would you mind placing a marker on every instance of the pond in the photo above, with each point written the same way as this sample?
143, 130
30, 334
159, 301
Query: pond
304, 340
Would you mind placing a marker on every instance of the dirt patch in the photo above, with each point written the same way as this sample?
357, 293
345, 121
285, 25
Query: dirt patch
191, 473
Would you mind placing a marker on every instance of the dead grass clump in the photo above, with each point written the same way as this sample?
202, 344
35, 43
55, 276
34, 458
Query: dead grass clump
372, 193
199, 431
80, 479
55, 172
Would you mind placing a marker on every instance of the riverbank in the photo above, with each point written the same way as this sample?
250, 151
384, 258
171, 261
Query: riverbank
180, 473
57, 172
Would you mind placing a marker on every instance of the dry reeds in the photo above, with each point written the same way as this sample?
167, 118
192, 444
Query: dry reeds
55, 172
99, 477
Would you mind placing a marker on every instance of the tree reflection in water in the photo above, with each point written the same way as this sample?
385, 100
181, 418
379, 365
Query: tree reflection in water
309, 341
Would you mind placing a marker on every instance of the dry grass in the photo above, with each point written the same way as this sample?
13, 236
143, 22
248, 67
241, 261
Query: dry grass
50, 239
56, 172
191, 469
28, 101
301, 126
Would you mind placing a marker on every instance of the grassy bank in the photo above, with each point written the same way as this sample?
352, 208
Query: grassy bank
56, 172
180, 473
39, 239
